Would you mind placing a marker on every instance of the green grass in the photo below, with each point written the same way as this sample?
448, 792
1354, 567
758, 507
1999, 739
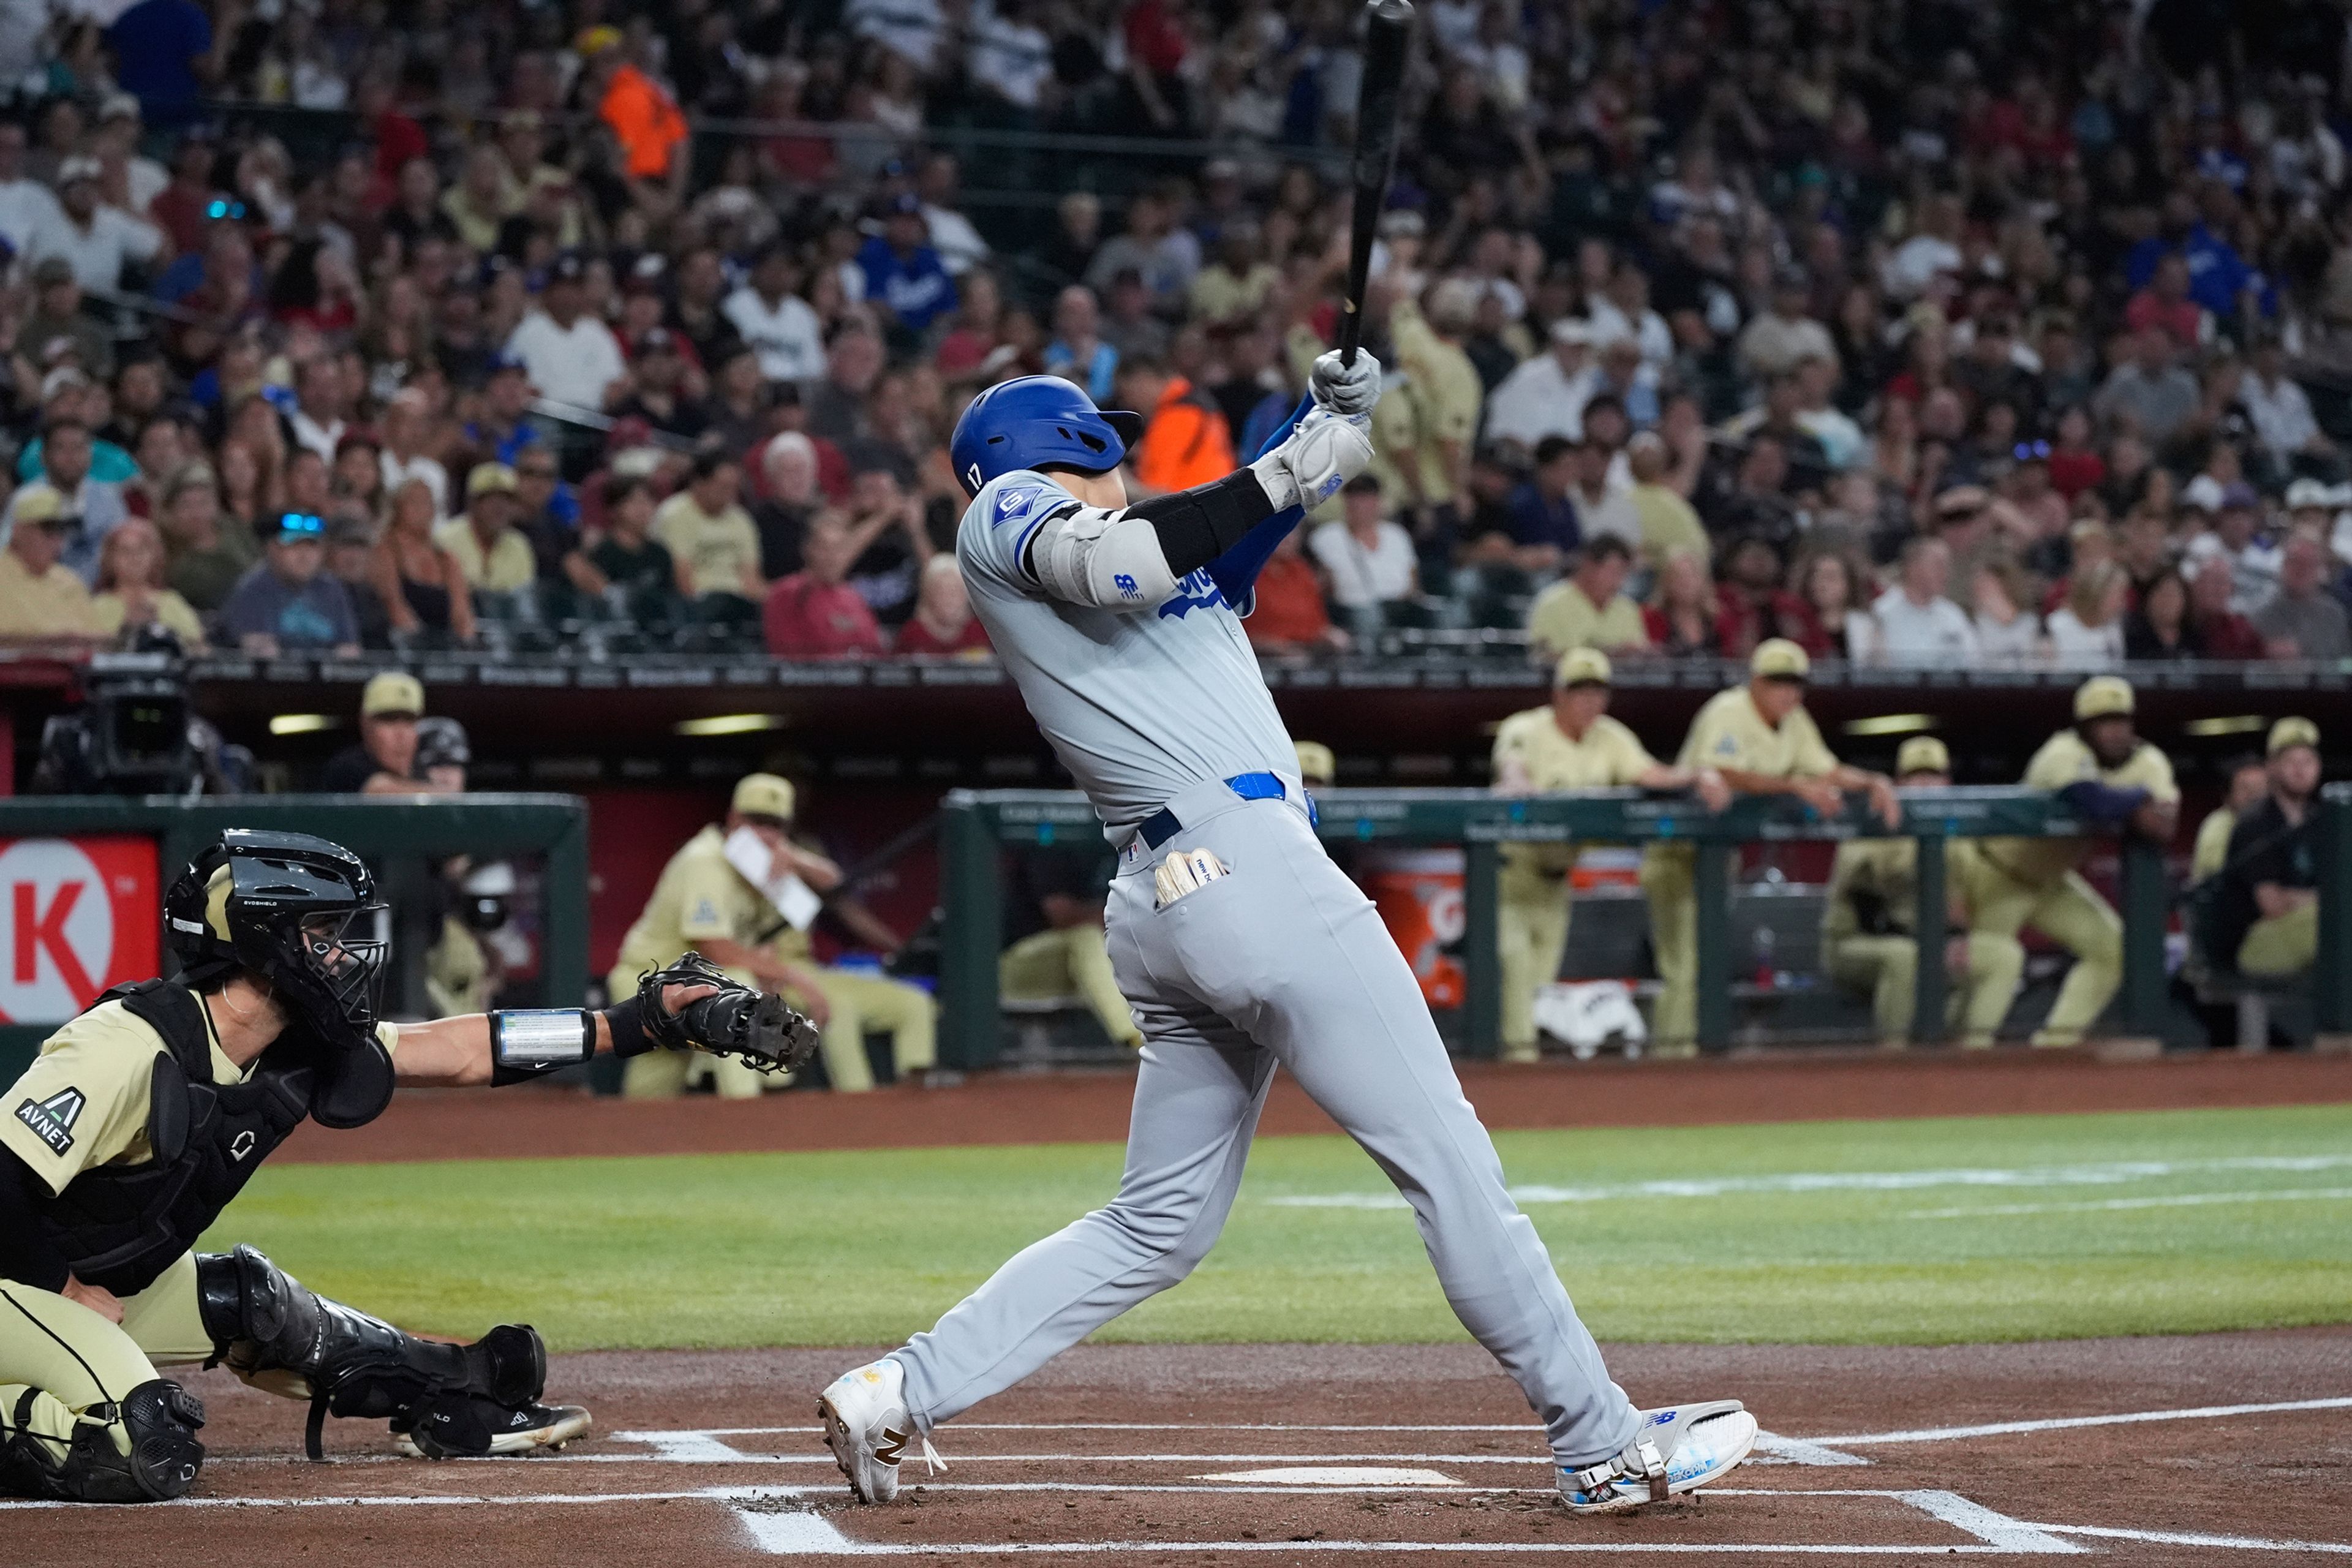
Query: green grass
865, 1248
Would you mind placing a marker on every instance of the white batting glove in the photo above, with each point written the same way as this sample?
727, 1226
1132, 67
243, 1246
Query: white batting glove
1325, 452
1344, 388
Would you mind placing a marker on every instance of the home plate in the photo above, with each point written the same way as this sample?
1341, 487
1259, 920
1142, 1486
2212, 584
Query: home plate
1339, 1475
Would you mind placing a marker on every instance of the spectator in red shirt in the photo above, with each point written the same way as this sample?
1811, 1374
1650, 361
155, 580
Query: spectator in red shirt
2165, 306
943, 623
2224, 634
2074, 465
814, 613
1291, 616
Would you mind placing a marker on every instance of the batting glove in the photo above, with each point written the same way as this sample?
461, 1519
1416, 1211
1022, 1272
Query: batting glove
1346, 388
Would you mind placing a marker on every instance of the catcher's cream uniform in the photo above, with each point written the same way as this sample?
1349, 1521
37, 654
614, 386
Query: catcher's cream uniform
84, 1103
1534, 912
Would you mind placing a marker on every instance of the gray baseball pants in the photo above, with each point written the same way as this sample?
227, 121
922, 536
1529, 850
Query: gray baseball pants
1284, 961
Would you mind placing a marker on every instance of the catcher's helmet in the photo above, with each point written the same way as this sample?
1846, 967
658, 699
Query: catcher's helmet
1034, 422
301, 913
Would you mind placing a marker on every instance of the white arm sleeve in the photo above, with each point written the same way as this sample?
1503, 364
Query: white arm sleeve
1104, 559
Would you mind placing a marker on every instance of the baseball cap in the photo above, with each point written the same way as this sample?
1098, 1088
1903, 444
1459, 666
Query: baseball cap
2103, 696
1922, 755
2238, 496
763, 795
1961, 501
74, 169
2292, 731
2203, 492
1315, 764
1571, 330
393, 691
1778, 658
2303, 494
118, 106
39, 503
489, 478
1582, 666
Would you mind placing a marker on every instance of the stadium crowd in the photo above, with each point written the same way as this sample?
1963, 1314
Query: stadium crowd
1918, 332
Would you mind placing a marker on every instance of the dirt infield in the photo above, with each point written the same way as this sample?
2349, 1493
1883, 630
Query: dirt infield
1074, 1107
2143, 1451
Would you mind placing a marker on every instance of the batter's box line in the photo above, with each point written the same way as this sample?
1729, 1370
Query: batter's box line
1989, 1533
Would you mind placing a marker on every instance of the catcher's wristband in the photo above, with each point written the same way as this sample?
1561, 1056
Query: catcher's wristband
626, 1019
527, 1043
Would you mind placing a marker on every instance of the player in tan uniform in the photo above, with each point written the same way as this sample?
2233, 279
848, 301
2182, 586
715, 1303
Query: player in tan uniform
2250, 784
141, 1120
703, 902
2106, 773
1867, 941
1568, 744
1759, 738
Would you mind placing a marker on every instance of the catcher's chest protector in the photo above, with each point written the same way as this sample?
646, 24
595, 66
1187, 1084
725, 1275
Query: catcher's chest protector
119, 1226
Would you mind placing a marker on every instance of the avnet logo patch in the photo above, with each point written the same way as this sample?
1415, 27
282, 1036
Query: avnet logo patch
52, 1120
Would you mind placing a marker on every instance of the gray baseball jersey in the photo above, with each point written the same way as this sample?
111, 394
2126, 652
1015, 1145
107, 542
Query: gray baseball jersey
1136, 704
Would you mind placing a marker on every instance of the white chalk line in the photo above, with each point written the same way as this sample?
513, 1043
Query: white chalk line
2189, 1537
2110, 1205
2064, 1423
2089, 1174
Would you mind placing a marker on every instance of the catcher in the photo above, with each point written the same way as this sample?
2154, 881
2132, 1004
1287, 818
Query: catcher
142, 1118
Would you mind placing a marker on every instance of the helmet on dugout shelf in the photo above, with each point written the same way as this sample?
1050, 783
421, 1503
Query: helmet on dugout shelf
1036, 422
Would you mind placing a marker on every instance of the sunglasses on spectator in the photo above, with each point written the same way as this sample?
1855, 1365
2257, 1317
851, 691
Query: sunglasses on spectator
219, 209
2031, 451
301, 525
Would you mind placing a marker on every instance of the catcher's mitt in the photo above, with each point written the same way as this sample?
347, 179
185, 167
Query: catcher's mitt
754, 1027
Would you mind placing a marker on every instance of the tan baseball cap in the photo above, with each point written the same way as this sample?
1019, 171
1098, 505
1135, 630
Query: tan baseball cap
2292, 731
1315, 764
393, 691
2102, 697
1582, 666
763, 795
488, 478
1922, 755
1778, 658
37, 503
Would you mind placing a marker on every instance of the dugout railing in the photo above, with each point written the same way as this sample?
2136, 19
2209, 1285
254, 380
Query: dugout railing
977, 826
552, 826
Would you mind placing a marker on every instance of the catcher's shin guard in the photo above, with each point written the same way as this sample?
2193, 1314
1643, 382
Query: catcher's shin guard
260, 1319
158, 1420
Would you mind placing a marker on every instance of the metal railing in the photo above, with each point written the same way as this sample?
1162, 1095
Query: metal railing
975, 826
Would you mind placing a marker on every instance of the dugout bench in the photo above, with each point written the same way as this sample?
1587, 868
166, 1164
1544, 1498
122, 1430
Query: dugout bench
554, 826
976, 826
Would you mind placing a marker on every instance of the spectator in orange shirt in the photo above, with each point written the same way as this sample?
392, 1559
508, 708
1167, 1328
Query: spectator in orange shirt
645, 118
1290, 616
1185, 438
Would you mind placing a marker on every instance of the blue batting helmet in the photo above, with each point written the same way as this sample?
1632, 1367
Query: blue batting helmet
1033, 422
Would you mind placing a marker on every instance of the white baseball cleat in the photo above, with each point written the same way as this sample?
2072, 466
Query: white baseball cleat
1679, 1448
867, 1426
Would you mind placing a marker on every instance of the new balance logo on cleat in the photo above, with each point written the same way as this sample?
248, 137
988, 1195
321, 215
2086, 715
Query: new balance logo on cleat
52, 1120
892, 1446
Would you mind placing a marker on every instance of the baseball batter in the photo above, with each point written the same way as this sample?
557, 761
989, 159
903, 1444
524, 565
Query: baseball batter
1239, 944
141, 1120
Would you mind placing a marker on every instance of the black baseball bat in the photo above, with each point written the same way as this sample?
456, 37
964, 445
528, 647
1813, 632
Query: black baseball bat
1388, 25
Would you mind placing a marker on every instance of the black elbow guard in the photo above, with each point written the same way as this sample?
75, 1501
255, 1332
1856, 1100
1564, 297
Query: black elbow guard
1198, 525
